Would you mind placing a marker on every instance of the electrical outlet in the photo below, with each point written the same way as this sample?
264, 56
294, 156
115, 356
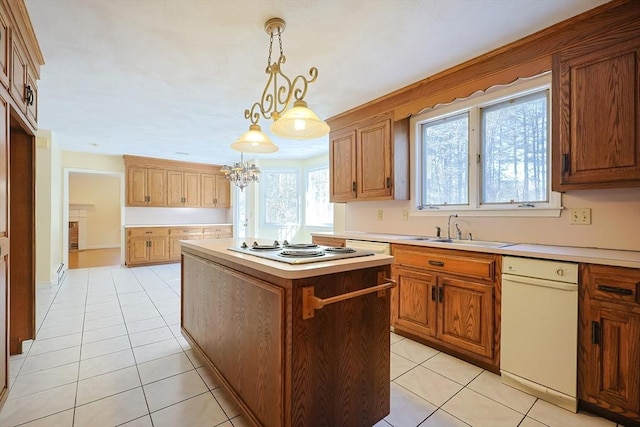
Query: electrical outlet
405, 215
580, 216
380, 215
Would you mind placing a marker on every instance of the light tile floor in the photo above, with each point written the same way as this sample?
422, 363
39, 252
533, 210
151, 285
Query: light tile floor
109, 353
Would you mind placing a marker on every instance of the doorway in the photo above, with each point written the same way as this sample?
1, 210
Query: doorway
94, 218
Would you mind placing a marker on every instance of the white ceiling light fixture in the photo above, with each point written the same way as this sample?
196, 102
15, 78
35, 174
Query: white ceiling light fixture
298, 122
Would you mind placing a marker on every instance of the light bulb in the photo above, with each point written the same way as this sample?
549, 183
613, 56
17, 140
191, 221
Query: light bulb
299, 124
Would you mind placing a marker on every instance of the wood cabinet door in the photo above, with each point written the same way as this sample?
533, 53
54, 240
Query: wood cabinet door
156, 187
415, 302
18, 75
342, 164
611, 374
465, 315
137, 250
158, 249
136, 186
32, 101
223, 192
597, 118
4, 254
5, 48
374, 153
175, 182
207, 190
191, 190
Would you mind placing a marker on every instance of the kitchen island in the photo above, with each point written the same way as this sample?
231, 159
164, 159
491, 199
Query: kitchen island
293, 345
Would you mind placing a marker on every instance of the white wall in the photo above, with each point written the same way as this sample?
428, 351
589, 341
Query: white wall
168, 216
615, 216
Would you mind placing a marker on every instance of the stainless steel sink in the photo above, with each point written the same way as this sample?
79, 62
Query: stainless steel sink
484, 243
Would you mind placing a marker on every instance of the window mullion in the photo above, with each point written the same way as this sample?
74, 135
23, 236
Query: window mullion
475, 168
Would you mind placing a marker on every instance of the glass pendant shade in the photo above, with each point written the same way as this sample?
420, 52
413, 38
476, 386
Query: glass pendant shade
254, 141
299, 122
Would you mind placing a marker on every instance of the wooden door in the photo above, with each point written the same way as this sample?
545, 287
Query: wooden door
156, 187
597, 118
136, 186
137, 250
223, 192
465, 315
175, 183
342, 164
191, 190
207, 190
4, 253
611, 374
374, 161
158, 248
415, 302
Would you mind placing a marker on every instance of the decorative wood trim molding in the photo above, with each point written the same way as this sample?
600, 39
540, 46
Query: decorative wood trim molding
130, 160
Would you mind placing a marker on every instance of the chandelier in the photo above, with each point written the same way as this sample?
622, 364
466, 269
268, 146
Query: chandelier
299, 122
242, 173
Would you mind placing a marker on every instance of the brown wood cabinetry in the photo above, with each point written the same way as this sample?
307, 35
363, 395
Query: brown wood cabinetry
449, 299
168, 183
328, 241
215, 191
597, 115
183, 189
368, 161
609, 341
5, 48
156, 245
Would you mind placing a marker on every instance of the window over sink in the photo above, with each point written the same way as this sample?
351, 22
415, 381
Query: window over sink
487, 155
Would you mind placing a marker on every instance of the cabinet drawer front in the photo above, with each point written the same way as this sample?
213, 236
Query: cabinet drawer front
217, 230
614, 284
328, 241
186, 231
467, 266
156, 231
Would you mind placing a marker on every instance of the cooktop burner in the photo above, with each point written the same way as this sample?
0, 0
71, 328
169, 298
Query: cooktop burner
298, 253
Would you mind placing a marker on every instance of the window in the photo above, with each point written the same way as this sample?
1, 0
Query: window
318, 209
487, 153
280, 205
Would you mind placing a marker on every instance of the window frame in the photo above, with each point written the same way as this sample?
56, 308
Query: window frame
306, 172
473, 105
262, 195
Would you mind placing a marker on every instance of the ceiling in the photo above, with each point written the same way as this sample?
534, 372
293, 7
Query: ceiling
172, 78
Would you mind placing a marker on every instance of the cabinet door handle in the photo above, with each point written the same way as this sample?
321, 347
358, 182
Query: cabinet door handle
440, 294
148, 232
433, 293
215, 201
595, 333
615, 290
28, 95
436, 263
565, 163
388, 182
353, 186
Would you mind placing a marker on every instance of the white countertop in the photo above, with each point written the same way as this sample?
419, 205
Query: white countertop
561, 253
174, 225
218, 248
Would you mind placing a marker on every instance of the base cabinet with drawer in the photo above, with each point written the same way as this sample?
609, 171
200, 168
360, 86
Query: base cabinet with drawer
449, 299
609, 342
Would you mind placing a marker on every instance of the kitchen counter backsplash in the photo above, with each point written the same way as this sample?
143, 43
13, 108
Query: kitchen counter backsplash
611, 257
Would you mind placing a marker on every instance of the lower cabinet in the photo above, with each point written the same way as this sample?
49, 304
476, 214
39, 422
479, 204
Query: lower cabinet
609, 341
155, 245
448, 299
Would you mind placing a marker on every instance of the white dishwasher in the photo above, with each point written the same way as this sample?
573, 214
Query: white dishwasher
539, 333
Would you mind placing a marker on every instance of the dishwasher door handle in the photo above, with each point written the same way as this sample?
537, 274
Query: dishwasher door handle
533, 281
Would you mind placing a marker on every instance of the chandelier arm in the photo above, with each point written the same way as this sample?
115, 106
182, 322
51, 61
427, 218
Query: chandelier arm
300, 92
252, 114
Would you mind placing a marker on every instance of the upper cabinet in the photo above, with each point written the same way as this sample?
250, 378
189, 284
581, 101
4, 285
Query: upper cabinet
5, 48
167, 183
369, 160
596, 116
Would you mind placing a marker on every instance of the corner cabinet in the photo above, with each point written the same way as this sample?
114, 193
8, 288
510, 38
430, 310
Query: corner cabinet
596, 116
450, 300
609, 341
370, 161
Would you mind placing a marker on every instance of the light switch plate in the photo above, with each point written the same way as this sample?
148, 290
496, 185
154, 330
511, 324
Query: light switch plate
580, 216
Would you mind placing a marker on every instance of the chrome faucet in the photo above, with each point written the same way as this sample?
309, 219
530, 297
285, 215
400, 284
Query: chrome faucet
458, 232
449, 225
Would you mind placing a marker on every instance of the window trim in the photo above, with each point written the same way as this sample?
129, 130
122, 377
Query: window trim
306, 172
473, 104
263, 210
